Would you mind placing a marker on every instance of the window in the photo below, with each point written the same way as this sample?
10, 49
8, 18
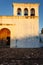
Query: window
26, 12
32, 12
19, 11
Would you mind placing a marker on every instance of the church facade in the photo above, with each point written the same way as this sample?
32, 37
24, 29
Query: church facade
24, 24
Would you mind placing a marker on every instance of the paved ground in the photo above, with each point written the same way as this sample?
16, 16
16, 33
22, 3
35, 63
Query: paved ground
17, 56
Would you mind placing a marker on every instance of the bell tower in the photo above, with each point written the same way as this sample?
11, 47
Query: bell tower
21, 8
31, 10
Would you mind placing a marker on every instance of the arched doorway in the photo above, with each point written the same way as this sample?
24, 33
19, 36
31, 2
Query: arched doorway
5, 37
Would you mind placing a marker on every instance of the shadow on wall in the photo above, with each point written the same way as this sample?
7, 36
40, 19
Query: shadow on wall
27, 42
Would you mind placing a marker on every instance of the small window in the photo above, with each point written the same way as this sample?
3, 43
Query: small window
32, 12
26, 12
19, 11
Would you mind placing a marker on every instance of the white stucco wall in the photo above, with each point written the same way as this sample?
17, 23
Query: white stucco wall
21, 26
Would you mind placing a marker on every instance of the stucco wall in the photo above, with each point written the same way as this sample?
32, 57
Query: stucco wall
20, 26
23, 28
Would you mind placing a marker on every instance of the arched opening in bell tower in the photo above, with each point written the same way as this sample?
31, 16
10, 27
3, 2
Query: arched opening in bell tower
32, 12
26, 12
19, 11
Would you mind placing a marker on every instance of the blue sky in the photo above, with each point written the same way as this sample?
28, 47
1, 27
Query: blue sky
6, 8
